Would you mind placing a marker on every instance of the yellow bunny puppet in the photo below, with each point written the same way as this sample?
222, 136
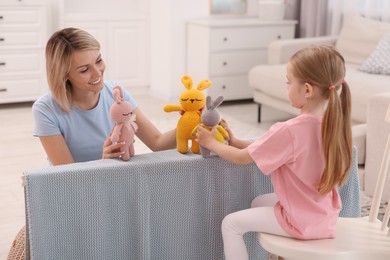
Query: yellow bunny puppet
192, 102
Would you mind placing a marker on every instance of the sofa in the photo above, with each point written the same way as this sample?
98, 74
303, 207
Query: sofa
370, 139
365, 45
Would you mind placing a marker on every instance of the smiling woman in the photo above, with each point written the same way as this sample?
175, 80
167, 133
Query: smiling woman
73, 121
228, 6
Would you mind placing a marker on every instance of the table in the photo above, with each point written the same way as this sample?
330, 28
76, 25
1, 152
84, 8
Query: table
162, 205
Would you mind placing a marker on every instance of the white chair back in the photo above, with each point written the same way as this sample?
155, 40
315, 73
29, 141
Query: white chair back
380, 183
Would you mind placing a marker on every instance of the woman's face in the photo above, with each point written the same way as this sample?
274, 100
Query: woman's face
296, 89
86, 71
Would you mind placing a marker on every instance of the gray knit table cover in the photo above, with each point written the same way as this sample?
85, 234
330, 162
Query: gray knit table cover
157, 206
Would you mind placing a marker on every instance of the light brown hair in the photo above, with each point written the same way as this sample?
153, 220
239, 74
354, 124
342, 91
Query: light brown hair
59, 49
323, 67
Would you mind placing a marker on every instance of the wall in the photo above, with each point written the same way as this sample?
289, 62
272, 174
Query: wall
167, 36
54, 15
167, 42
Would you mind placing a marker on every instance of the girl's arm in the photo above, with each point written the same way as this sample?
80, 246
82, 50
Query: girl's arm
226, 152
151, 136
233, 141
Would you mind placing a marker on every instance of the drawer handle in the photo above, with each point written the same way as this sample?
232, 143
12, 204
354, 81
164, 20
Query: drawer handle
224, 63
2, 39
279, 37
225, 39
1, 17
223, 87
3, 89
2, 63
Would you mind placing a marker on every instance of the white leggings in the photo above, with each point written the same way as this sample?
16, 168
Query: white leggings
259, 218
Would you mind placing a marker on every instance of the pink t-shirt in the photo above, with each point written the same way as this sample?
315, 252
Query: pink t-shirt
291, 152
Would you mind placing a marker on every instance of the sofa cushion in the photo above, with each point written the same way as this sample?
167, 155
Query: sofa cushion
379, 60
363, 85
359, 133
270, 79
359, 37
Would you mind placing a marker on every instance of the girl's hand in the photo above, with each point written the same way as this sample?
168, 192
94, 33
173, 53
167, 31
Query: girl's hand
204, 137
111, 150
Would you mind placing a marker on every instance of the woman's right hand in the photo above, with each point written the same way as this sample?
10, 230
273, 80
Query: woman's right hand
111, 150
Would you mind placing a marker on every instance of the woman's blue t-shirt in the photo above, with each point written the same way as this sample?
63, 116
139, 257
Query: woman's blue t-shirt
84, 131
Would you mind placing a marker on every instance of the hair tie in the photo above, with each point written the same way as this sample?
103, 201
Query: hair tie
332, 87
343, 81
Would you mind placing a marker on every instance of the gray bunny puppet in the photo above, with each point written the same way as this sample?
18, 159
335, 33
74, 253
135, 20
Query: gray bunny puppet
210, 118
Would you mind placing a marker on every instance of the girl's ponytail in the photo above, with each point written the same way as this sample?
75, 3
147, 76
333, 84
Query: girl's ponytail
336, 139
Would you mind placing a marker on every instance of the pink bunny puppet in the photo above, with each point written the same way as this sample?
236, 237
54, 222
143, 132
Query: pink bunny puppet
125, 127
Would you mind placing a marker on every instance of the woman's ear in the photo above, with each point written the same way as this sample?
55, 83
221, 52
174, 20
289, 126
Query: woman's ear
308, 90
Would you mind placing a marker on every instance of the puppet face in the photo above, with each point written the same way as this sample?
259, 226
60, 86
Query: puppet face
192, 100
122, 112
210, 117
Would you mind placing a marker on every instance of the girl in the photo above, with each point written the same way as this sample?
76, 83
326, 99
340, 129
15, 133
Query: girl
308, 156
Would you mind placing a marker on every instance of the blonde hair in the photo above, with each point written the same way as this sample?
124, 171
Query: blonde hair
323, 67
59, 49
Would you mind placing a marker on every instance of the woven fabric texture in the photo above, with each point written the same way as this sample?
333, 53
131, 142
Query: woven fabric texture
163, 205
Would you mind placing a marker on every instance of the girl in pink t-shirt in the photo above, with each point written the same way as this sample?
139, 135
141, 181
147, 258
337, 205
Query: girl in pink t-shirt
308, 156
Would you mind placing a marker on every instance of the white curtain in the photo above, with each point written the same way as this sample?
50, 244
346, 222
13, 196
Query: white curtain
325, 17
373, 9
313, 18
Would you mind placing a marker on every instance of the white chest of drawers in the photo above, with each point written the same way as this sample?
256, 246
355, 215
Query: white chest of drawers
224, 50
23, 36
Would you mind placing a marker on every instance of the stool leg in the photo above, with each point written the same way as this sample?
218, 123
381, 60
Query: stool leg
258, 113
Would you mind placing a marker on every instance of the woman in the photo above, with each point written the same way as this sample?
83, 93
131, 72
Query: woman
73, 121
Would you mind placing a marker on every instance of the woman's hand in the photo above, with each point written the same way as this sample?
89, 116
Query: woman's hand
233, 141
111, 150
225, 125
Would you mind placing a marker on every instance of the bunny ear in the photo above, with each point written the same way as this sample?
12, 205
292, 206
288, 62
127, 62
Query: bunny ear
217, 102
208, 102
187, 81
117, 93
204, 84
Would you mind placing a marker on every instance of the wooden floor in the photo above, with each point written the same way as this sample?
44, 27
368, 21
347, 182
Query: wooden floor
20, 151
